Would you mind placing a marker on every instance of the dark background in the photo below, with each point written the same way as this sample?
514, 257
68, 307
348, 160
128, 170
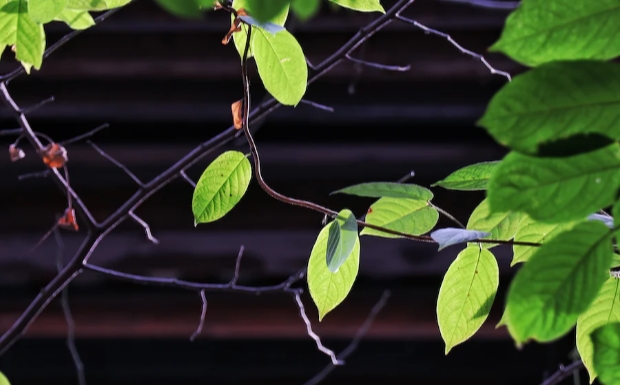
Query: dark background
164, 85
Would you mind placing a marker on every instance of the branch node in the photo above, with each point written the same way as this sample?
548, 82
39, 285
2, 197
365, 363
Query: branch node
147, 228
116, 163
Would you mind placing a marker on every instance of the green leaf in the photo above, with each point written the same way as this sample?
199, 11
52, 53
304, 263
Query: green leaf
329, 289
76, 19
281, 65
44, 11
556, 189
263, 10
341, 240
96, 5
469, 178
17, 28
410, 216
604, 310
555, 101
615, 213
240, 37
387, 189
535, 232
559, 283
540, 31
4, 380
606, 340
305, 9
189, 9
221, 186
452, 236
501, 225
606, 219
467, 292
361, 5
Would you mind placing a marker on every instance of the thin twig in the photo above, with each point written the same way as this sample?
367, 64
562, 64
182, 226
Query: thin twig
563, 372
116, 163
448, 215
147, 228
235, 278
455, 44
38, 174
28, 110
317, 105
383, 67
85, 135
187, 178
405, 178
203, 316
488, 4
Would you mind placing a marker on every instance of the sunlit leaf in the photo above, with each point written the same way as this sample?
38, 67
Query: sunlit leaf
606, 341
189, 9
17, 28
241, 37
410, 216
263, 10
540, 31
305, 9
467, 292
4, 380
342, 237
96, 5
469, 178
555, 101
558, 283
44, 11
556, 189
604, 309
387, 189
281, 65
361, 5
501, 225
329, 289
76, 19
452, 236
221, 186
535, 232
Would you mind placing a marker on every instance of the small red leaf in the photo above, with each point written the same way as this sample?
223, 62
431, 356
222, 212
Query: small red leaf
54, 155
16, 153
68, 221
237, 114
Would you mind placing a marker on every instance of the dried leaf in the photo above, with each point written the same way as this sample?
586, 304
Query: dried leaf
237, 113
54, 155
235, 27
68, 221
16, 153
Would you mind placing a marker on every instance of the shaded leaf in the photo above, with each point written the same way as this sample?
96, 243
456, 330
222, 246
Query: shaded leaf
387, 189
558, 283
556, 189
329, 289
44, 11
361, 5
341, 239
305, 9
96, 5
467, 292
76, 19
615, 213
452, 236
264, 11
28, 37
606, 340
241, 37
221, 186
540, 31
556, 101
410, 216
501, 226
606, 219
189, 9
604, 309
535, 232
469, 178
281, 65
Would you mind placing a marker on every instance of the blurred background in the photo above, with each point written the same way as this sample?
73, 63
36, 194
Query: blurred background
165, 85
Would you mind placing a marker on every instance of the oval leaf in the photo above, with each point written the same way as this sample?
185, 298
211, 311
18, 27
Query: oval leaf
604, 310
44, 11
469, 178
221, 186
281, 65
452, 236
76, 19
540, 31
341, 239
559, 283
361, 5
409, 216
329, 289
387, 189
20, 30
556, 189
535, 232
241, 36
502, 226
555, 101
467, 292
606, 340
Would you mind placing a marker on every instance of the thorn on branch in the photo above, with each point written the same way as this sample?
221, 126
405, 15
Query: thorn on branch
456, 45
116, 163
28, 110
377, 65
187, 178
203, 315
147, 228
317, 105
85, 136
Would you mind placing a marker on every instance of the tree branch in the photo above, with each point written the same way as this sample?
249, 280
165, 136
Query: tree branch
563, 372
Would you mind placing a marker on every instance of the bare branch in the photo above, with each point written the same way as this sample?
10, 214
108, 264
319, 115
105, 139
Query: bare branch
405, 178
317, 105
85, 135
448, 215
11, 132
187, 178
235, 278
203, 315
488, 4
28, 110
38, 174
116, 163
147, 228
379, 66
563, 372
455, 44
